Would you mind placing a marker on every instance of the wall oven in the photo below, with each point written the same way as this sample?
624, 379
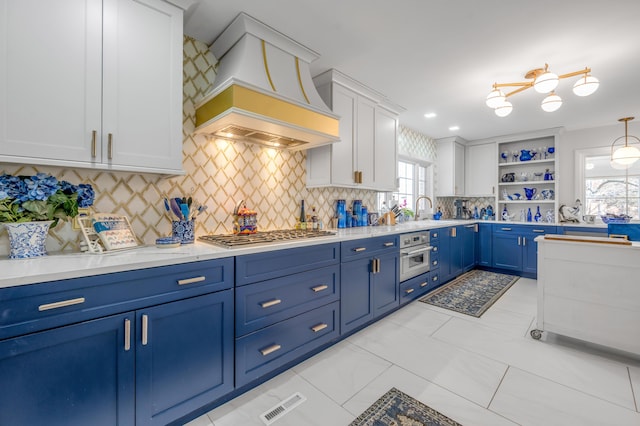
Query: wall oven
414, 254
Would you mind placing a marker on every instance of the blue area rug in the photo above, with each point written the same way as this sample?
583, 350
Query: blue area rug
398, 409
471, 293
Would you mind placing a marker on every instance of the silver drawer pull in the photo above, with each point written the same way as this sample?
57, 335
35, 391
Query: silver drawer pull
434, 263
435, 248
389, 244
506, 229
192, 280
358, 249
409, 291
539, 231
434, 235
319, 288
61, 304
270, 303
319, 327
271, 349
127, 334
145, 329
423, 284
434, 278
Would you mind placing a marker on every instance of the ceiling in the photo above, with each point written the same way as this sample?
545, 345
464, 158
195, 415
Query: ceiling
443, 56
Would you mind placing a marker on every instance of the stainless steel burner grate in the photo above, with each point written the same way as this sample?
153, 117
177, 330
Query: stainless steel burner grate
238, 240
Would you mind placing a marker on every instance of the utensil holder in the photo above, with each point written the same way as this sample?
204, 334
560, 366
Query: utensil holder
184, 230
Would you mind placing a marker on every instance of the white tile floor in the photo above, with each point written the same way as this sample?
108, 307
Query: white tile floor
478, 371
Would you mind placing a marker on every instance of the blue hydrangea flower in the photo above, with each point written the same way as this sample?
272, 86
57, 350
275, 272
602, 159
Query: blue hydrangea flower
85, 195
11, 186
39, 187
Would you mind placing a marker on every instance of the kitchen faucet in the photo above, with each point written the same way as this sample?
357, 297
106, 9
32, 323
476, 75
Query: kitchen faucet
417, 201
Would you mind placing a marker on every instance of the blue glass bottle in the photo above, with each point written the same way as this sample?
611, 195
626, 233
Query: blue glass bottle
538, 215
341, 212
529, 215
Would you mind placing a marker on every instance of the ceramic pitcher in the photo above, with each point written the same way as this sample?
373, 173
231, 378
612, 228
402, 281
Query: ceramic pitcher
530, 192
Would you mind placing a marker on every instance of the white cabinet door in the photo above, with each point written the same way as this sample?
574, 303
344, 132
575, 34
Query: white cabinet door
50, 79
386, 151
142, 121
91, 83
480, 170
450, 168
365, 137
342, 153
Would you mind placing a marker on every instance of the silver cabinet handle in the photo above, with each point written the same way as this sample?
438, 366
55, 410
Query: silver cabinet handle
423, 284
519, 240
409, 291
319, 288
319, 327
435, 278
127, 334
470, 226
435, 249
434, 235
270, 303
192, 280
145, 329
434, 263
359, 249
110, 146
94, 135
539, 231
271, 349
524, 241
389, 244
61, 304
506, 229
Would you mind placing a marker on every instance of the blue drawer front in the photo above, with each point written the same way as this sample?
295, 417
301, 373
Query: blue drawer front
262, 304
434, 235
630, 230
263, 351
414, 288
279, 263
366, 247
28, 308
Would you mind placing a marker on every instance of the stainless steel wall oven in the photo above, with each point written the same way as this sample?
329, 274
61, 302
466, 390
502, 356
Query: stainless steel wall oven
414, 254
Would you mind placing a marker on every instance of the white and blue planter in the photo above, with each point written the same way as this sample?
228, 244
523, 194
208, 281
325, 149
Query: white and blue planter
28, 239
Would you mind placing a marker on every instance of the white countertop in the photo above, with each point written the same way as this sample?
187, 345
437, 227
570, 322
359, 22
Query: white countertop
65, 265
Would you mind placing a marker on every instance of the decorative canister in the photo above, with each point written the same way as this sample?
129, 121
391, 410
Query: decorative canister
183, 230
246, 221
28, 239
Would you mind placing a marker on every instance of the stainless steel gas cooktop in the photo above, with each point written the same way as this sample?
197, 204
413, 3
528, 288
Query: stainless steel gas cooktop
240, 240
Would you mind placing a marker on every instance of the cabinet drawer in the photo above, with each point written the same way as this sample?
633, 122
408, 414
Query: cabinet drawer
414, 288
267, 302
434, 260
264, 351
366, 247
264, 266
434, 235
35, 307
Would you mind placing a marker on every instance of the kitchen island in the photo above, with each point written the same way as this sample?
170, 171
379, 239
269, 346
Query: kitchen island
588, 289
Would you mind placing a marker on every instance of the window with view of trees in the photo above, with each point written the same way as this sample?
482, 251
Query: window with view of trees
609, 190
414, 180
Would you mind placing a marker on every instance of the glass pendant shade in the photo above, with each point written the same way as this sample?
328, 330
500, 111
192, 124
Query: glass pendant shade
586, 85
495, 98
626, 155
504, 109
551, 103
546, 82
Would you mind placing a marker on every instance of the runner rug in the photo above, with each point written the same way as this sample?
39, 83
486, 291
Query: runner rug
471, 293
397, 408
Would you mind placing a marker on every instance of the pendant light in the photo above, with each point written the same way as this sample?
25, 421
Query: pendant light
586, 85
625, 156
551, 103
546, 81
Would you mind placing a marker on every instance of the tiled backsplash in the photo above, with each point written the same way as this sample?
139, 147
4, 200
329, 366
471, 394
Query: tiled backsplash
218, 174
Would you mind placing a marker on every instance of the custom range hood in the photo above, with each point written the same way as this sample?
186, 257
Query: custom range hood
263, 92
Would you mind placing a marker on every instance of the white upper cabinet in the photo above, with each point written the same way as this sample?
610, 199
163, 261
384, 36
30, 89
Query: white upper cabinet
366, 155
450, 154
91, 83
481, 165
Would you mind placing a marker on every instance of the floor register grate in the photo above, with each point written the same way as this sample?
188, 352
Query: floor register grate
282, 408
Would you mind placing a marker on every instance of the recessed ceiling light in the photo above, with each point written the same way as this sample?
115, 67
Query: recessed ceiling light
430, 115
453, 128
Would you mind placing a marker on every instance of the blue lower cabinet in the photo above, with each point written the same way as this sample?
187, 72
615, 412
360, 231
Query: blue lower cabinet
484, 253
386, 295
515, 249
79, 374
414, 287
184, 356
265, 350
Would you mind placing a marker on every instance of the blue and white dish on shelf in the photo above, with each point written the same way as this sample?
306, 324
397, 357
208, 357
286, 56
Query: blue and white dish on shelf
168, 242
613, 218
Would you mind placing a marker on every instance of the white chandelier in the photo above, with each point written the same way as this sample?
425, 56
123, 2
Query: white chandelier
543, 81
624, 156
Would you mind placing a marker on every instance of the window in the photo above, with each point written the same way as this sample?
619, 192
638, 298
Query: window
609, 190
414, 179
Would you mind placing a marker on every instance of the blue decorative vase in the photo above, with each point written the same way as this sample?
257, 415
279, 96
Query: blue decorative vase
28, 239
538, 216
530, 192
525, 155
529, 215
183, 230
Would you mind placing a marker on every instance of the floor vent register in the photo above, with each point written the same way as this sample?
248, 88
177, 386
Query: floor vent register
273, 414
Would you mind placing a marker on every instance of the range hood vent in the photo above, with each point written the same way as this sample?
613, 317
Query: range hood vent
263, 92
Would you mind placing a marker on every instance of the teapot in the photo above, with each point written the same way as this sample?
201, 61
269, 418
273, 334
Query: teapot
548, 175
525, 155
508, 177
530, 192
